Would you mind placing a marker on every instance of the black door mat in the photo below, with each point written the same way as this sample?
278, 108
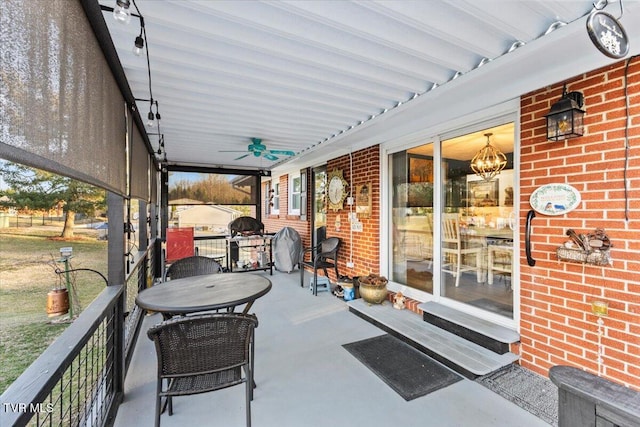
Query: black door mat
527, 389
408, 371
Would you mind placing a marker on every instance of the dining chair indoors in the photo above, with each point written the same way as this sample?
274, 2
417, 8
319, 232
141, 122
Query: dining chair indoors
456, 248
322, 256
192, 266
499, 260
203, 353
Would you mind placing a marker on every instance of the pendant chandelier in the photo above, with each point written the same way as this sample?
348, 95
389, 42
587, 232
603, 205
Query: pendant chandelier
489, 161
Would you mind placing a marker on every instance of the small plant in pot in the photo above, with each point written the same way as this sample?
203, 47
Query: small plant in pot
373, 288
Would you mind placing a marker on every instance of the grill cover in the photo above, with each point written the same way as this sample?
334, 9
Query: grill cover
287, 246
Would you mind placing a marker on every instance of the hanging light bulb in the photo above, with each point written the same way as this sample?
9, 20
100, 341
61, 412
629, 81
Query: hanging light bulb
489, 161
157, 112
121, 12
138, 46
150, 118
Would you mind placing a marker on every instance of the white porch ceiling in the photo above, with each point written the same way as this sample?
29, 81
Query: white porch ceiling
323, 77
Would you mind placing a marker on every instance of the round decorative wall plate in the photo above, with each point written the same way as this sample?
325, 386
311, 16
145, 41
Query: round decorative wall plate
555, 199
337, 190
607, 34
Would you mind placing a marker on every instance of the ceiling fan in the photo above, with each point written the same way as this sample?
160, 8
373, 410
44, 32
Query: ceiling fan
258, 149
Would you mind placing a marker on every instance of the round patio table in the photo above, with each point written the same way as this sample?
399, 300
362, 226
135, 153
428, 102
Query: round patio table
204, 293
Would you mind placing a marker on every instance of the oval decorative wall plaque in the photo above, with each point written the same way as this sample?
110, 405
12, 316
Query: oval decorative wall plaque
608, 35
555, 199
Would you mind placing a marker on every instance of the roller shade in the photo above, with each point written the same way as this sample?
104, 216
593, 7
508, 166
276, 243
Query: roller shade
154, 185
60, 107
140, 165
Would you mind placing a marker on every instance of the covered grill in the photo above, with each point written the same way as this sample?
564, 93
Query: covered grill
246, 226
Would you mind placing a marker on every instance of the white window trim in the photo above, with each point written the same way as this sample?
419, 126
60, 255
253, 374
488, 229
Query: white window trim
293, 177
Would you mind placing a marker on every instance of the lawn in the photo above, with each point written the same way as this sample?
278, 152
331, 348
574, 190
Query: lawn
26, 276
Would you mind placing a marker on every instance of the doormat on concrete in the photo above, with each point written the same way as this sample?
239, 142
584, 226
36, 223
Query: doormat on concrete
406, 370
493, 306
525, 388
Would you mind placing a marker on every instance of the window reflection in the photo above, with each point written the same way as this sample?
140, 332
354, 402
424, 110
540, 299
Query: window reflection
412, 217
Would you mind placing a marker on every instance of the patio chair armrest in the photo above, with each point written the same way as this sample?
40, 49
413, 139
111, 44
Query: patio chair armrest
324, 255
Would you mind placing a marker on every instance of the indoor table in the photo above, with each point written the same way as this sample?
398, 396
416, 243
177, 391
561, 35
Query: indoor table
204, 293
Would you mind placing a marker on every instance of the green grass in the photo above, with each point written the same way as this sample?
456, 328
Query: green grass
26, 276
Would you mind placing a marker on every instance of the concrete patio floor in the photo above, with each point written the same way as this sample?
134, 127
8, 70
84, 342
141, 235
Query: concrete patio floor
306, 378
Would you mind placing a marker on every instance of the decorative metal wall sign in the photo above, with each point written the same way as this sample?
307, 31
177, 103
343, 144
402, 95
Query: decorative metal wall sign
607, 34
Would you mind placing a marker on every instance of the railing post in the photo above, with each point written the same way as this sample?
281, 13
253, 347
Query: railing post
143, 226
116, 248
117, 344
116, 274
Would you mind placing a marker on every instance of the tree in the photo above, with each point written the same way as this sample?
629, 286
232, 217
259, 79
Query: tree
34, 189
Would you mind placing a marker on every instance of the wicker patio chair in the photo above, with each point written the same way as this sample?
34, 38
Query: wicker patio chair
203, 353
192, 266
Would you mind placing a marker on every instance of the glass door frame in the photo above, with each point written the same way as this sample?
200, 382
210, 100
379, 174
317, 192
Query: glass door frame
386, 222
314, 205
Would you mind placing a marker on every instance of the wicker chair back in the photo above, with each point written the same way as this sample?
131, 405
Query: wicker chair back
203, 353
192, 266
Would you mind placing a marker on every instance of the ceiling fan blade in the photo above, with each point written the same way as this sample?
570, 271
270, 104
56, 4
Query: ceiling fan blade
241, 157
256, 147
283, 152
270, 157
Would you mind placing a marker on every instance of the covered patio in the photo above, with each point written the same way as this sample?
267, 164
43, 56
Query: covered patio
306, 377
282, 93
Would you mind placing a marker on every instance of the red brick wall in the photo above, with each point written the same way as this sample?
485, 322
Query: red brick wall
366, 254
557, 326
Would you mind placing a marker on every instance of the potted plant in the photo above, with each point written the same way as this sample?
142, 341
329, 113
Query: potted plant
373, 288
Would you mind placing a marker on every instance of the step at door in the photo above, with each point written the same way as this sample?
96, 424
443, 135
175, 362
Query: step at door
459, 354
479, 331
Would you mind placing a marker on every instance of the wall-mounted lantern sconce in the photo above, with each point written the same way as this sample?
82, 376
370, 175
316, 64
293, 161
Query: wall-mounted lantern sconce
565, 119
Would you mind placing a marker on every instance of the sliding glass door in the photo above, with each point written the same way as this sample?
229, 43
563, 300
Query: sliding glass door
412, 217
477, 220
452, 227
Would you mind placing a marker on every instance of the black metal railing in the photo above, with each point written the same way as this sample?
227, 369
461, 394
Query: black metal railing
78, 380
140, 277
73, 382
213, 247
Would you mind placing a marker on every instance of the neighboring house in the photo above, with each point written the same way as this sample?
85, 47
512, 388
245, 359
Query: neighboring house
205, 218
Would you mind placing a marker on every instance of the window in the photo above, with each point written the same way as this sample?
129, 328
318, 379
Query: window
294, 195
275, 209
